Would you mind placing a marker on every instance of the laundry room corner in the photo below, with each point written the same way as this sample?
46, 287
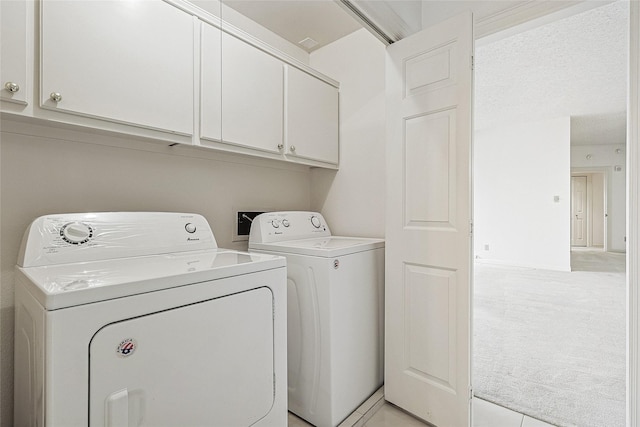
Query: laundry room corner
46, 170
353, 198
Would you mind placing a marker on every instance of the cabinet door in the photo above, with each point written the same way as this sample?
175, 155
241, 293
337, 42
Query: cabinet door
123, 61
210, 83
13, 59
312, 117
252, 96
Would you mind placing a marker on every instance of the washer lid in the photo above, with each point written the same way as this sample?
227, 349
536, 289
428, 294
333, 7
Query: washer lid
66, 285
321, 247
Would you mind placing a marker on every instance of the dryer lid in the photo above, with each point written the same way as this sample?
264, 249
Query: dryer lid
66, 285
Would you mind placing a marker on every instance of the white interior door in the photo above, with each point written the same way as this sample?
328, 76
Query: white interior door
428, 228
578, 211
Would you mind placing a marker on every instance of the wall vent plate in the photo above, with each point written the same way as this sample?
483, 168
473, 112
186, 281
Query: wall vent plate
242, 222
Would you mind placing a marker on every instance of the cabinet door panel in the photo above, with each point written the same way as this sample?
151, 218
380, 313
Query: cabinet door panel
312, 117
124, 61
210, 83
252, 96
13, 62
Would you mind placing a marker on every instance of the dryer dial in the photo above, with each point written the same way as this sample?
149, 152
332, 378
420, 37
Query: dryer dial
315, 221
76, 233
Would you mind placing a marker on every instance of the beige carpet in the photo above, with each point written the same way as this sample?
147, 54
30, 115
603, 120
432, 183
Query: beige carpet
552, 344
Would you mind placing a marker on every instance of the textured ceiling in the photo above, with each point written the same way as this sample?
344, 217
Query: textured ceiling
575, 67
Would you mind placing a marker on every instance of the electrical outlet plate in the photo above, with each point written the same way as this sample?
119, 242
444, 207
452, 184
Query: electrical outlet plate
242, 226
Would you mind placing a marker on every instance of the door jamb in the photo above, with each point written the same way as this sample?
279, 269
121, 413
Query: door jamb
633, 216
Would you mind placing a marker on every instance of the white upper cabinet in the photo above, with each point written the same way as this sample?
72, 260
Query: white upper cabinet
311, 118
129, 62
13, 60
167, 70
252, 96
210, 83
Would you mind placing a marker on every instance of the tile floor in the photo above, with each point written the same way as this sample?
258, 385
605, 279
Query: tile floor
487, 414
375, 412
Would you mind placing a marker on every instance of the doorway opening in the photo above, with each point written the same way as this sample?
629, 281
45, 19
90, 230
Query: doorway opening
550, 219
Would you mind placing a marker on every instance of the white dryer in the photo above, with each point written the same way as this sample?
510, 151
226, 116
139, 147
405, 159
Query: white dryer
138, 319
335, 313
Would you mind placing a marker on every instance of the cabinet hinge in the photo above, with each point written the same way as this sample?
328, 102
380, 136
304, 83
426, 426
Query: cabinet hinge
471, 228
470, 393
473, 62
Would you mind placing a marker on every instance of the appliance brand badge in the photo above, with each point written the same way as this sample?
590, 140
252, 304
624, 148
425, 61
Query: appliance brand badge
127, 347
192, 239
336, 264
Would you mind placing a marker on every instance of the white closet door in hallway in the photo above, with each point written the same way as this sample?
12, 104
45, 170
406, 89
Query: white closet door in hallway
578, 211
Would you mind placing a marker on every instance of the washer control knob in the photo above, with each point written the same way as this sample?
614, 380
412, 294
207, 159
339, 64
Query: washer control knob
76, 233
275, 224
315, 221
285, 222
191, 228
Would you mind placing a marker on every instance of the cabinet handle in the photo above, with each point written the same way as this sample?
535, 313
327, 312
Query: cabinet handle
12, 87
280, 146
292, 148
55, 97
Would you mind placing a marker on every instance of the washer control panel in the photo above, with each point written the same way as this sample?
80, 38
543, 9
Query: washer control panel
288, 225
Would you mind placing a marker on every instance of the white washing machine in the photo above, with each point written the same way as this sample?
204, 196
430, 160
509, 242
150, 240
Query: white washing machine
335, 288
138, 319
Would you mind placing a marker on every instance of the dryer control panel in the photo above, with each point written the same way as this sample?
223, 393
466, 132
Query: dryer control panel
64, 238
288, 225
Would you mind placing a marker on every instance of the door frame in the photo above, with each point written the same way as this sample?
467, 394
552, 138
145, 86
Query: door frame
528, 12
633, 216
